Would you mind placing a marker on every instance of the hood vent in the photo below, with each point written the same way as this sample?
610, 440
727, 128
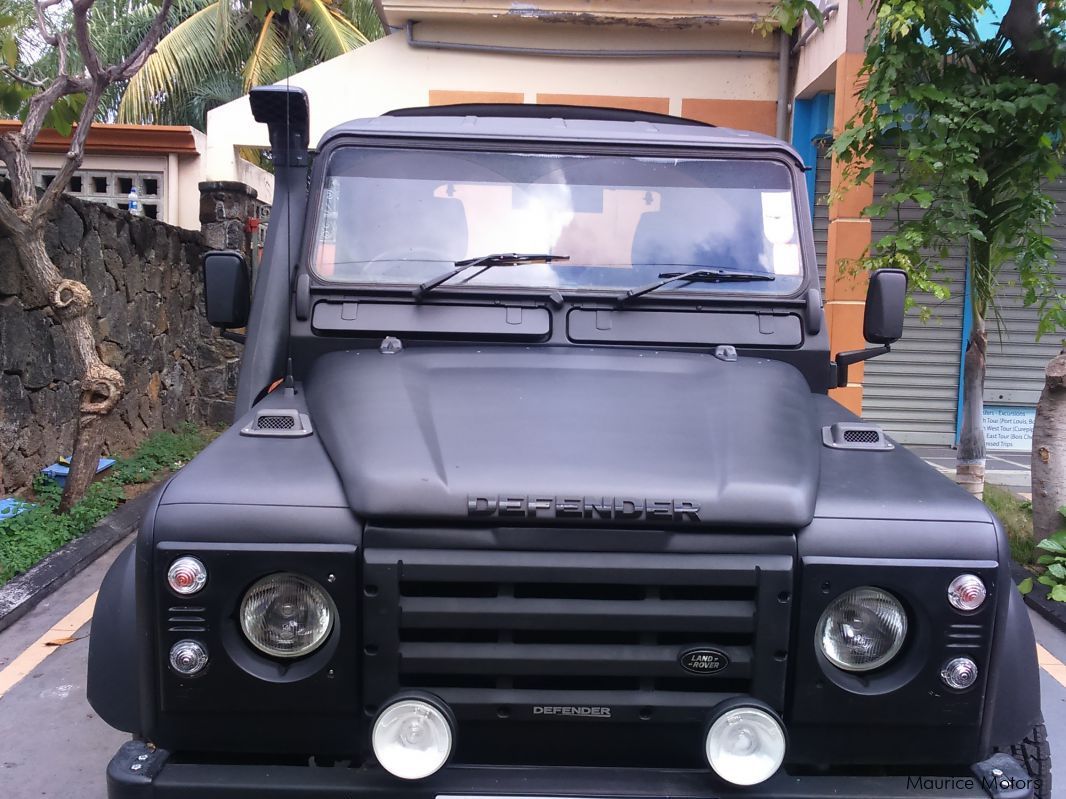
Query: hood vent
280, 423
855, 435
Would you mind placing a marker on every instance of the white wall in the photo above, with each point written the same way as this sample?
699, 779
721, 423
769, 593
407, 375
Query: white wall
389, 74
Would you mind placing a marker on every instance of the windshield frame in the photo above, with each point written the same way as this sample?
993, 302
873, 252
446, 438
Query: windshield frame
760, 150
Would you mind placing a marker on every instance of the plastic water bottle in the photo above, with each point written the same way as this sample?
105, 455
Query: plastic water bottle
134, 202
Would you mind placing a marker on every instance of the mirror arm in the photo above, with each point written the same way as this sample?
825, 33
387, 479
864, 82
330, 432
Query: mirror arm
229, 335
846, 359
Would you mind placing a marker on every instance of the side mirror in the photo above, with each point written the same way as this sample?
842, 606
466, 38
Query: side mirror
227, 288
883, 322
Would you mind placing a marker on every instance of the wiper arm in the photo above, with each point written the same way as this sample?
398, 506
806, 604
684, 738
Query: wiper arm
486, 262
704, 275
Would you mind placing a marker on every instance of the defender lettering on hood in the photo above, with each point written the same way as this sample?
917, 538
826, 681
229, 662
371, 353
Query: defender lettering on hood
677, 510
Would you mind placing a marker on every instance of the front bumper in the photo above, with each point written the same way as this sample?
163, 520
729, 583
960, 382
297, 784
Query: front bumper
139, 772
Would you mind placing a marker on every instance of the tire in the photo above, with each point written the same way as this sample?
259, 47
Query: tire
1034, 754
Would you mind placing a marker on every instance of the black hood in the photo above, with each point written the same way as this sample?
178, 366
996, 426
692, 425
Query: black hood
510, 435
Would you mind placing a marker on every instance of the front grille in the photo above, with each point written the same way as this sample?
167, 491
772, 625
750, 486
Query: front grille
542, 636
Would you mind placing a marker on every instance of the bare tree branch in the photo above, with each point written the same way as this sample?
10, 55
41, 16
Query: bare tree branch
40, 104
75, 153
9, 219
19, 176
128, 68
25, 81
39, 7
1035, 49
88, 52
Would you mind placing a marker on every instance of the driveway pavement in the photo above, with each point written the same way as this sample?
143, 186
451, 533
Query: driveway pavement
52, 745
1007, 469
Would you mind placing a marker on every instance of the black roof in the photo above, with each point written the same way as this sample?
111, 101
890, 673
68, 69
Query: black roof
543, 111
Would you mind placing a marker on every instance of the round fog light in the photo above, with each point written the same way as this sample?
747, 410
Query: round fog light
959, 673
186, 575
967, 592
745, 745
188, 658
412, 739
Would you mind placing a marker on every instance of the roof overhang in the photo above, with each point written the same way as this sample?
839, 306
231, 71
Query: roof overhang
556, 131
106, 139
663, 14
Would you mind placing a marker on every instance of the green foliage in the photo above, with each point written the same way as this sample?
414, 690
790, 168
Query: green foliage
34, 533
966, 135
15, 94
1055, 563
788, 15
229, 47
1016, 516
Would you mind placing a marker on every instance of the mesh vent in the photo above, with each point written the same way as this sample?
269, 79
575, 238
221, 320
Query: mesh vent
862, 436
275, 423
279, 422
855, 435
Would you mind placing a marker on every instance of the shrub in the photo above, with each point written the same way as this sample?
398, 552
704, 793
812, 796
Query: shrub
34, 533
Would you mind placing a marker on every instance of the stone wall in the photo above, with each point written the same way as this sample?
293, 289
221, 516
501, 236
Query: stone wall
146, 280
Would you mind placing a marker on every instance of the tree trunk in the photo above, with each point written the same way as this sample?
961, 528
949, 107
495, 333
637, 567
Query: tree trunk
970, 458
100, 386
1049, 451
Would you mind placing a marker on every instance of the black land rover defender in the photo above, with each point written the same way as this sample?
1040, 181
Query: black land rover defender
535, 490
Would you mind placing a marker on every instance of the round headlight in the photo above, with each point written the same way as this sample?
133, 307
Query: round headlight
412, 739
862, 629
745, 745
286, 615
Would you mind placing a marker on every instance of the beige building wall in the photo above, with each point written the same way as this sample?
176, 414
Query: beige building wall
844, 32
390, 73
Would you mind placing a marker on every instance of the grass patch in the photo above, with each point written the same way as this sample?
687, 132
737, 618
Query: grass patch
27, 538
1016, 516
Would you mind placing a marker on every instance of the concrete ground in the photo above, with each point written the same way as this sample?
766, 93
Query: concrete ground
52, 745
1007, 469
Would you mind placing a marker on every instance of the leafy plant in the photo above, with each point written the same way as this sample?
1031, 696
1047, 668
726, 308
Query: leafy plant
1016, 516
1055, 563
40, 530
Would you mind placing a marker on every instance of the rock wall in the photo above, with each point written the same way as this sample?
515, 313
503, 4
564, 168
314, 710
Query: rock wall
146, 281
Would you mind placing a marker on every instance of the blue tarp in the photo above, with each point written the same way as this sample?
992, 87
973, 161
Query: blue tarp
59, 471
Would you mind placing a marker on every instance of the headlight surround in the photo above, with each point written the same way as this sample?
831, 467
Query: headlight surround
286, 615
862, 629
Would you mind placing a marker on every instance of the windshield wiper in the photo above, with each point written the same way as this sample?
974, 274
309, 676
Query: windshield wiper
486, 262
704, 275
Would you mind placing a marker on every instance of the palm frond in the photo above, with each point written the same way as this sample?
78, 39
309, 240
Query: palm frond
268, 54
331, 34
188, 54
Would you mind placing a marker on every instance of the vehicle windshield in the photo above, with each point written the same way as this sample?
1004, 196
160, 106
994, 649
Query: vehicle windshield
402, 217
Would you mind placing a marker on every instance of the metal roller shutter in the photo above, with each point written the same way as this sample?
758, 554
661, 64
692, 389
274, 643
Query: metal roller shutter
913, 391
1016, 360
822, 170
